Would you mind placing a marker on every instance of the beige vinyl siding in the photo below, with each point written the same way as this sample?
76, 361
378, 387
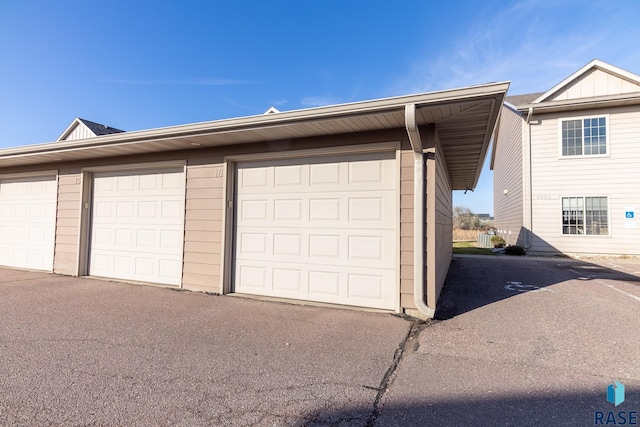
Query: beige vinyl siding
406, 228
508, 208
444, 221
80, 132
615, 176
595, 82
202, 258
203, 226
65, 258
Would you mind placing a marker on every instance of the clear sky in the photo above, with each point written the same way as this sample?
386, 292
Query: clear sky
140, 64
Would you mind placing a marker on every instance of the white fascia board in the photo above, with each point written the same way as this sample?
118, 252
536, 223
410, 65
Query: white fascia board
596, 63
264, 121
582, 103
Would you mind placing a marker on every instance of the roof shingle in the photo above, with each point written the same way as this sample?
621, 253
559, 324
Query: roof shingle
99, 129
519, 100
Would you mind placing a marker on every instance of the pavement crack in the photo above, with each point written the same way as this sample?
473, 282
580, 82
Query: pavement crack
387, 379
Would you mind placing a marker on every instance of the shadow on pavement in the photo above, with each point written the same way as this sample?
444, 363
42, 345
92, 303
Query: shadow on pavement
472, 281
582, 408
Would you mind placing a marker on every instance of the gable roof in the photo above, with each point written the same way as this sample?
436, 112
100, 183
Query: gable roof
464, 120
632, 81
95, 129
272, 110
99, 129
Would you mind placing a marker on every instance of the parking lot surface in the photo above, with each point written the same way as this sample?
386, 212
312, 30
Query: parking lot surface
518, 341
524, 341
77, 351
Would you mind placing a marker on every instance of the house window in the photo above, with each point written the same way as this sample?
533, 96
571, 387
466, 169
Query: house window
584, 137
585, 215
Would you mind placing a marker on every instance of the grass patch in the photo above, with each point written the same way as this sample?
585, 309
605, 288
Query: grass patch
469, 248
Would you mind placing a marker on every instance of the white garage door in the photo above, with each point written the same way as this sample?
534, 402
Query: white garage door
137, 225
28, 222
321, 229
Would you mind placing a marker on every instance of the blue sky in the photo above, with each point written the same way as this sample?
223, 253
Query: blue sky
144, 64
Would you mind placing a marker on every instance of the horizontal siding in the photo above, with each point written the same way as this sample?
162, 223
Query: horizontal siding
615, 176
203, 227
406, 230
507, 175
444, 222
65, 258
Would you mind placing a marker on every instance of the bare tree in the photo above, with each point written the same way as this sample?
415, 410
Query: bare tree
465, 219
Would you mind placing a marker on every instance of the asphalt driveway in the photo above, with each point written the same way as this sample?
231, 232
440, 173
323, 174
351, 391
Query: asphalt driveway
76, 351
519, 341
524, 341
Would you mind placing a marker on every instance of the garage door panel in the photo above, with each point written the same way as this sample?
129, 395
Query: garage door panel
321, 229
28, 222
135, 239
321, 283
326, 174
361, 248
138, 225
373, 209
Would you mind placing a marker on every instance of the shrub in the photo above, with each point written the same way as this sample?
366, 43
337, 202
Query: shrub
515, 250
497, 242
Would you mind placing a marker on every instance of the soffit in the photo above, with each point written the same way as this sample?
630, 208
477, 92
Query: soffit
464, 120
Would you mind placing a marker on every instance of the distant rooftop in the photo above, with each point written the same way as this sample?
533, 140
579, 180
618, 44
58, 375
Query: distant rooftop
98, 128
524, 99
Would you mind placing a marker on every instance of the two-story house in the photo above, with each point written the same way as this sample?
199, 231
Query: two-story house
566, 165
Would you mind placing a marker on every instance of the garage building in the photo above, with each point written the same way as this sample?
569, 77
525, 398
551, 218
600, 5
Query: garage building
347, 204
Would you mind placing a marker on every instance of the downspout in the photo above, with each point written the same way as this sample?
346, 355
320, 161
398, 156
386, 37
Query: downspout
411, 125
528, 235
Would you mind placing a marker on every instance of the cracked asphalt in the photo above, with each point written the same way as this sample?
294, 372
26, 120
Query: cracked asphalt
518, 341
523, 342
76, 351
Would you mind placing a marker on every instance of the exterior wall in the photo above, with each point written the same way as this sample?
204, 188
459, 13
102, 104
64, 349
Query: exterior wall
67, 222
614, 176
203, 225
444, 221
202, 256
406, 228
80, 132
595, 82
507, 176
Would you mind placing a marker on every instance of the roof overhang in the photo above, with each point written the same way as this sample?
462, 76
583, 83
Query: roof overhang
607, 101
464, 119
594, 64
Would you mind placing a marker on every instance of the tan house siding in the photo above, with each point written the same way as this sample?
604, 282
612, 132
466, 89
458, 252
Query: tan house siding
614, 176
80, 132
203, 226
444, 221
65, 257
204, 204
406, 227
507, 178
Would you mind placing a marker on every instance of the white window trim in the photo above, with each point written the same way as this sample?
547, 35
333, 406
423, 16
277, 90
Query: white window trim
583, 156
587, 235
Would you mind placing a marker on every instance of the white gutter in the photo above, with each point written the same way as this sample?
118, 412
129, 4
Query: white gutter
529, 225
418, 211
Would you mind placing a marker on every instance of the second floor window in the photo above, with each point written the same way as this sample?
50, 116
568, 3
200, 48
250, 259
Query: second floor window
584, 136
